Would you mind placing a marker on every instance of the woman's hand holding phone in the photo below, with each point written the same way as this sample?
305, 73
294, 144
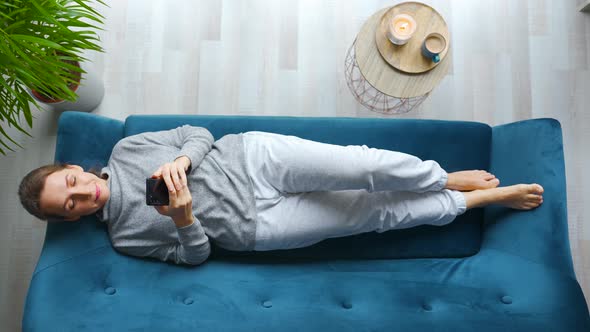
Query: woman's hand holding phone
180, 208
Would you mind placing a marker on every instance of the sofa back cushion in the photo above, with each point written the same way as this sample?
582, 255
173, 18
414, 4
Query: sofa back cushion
455, 145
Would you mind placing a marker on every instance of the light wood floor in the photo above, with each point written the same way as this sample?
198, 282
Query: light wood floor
512, 60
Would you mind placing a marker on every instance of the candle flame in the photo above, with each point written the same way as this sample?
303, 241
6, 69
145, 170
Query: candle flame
402, 26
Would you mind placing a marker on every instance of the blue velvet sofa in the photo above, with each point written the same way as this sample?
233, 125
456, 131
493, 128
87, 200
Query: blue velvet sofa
492, 269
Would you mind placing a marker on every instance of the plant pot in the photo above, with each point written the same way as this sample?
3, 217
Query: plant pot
90, 92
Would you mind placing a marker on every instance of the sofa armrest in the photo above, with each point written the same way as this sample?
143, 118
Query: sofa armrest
87, 140
530, 151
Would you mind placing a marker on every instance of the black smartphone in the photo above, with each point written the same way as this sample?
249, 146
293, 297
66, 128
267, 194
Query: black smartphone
156, 192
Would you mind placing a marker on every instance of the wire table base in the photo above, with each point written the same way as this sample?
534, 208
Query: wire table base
370, 97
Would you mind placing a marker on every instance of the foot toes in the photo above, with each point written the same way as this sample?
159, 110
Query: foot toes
489, 176
538, 189
494, 183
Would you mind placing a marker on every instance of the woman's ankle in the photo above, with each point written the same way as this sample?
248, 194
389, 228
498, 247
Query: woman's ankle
480, 198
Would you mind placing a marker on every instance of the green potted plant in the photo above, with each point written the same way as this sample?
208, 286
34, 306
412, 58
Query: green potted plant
41, 46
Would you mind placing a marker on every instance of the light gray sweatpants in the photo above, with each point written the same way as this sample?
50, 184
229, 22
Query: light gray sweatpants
308, 191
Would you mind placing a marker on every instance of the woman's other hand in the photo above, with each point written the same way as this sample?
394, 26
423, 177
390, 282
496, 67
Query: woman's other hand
174, 173
184, 161
181, 201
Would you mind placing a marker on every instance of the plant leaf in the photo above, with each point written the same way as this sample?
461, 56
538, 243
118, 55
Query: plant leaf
90, 9
40, 41
26, 109
10, 139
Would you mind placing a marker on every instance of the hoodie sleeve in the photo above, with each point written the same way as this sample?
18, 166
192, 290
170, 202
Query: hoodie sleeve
192, 248
193, 142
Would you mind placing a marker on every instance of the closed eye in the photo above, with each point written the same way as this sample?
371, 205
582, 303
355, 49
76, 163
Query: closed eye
73, 202
72, 183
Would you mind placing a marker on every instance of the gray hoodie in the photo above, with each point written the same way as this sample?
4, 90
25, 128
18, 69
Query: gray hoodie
223, 198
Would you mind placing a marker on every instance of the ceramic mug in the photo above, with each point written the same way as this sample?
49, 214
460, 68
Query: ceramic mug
433, 46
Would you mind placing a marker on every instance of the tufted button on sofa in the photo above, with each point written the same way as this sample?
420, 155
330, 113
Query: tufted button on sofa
492, 269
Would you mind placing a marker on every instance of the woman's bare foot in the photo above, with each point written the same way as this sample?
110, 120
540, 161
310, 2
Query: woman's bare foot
471, 180
520, 197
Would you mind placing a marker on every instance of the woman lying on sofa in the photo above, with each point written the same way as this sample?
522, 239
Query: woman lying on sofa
257, 191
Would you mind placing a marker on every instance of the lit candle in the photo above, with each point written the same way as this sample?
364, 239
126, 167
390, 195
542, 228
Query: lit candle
401, 29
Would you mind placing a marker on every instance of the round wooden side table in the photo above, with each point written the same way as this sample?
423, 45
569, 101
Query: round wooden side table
375, 83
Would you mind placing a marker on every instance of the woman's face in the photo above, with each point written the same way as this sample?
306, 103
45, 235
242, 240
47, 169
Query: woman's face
73, 193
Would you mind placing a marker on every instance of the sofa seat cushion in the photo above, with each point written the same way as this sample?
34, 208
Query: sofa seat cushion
492, 290
455, 145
